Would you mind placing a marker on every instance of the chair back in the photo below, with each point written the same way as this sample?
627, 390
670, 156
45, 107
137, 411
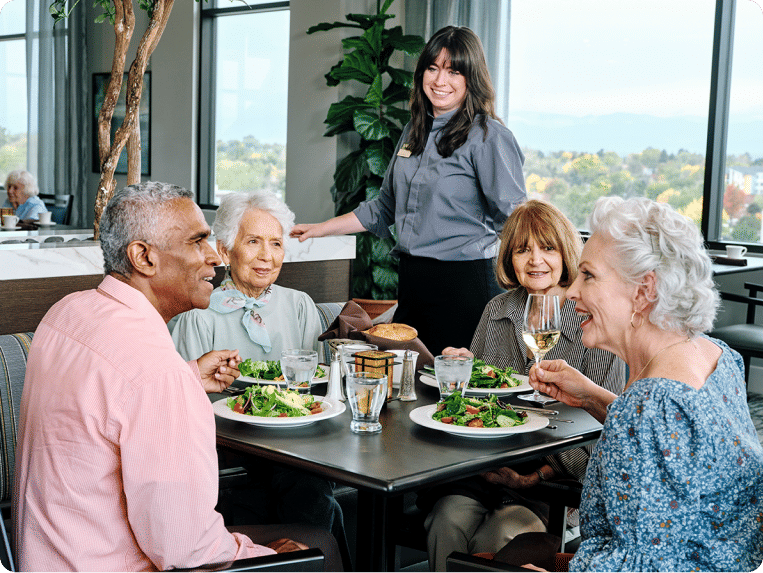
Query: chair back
60, 207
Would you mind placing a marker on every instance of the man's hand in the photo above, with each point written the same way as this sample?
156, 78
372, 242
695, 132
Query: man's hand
218, 369
452, 351
509, 478
286, 545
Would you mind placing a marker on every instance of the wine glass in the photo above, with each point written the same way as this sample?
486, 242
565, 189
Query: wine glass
541, 331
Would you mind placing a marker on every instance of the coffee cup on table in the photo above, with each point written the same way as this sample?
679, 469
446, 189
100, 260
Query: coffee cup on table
735, 251
44, 218
10, 221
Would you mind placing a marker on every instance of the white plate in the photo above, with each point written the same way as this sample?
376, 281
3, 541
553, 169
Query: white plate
423, 417
331, 408
51, 224
523, 387
279, 383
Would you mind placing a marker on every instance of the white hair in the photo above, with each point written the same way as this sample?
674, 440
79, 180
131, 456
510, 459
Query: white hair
650, 236
24, 178
234, 205
136, 213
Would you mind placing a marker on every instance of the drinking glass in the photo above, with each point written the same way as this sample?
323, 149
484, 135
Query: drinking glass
366, 392
298, 367
541, 332
452, 373
348, 351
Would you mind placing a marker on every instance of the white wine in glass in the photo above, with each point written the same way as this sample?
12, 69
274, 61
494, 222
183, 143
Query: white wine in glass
541, 331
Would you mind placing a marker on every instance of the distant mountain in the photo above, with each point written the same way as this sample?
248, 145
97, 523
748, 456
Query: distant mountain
626, 133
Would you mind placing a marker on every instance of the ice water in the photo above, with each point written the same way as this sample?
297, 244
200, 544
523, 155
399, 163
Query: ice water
452, 373
366, 392
298, 368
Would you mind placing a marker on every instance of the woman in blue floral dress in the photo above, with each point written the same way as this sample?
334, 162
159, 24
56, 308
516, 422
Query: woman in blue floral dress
675, 482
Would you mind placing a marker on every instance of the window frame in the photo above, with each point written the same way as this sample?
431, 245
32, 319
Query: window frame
207, 73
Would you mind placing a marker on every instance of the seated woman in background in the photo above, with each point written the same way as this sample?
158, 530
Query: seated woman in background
675, 482
539, 254
260, 319
22, 190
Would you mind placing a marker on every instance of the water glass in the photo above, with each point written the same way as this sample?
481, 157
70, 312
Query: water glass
348, 352
298, 368
452, 373
366, 392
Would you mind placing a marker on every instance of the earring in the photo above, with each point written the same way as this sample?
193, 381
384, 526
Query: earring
641, 317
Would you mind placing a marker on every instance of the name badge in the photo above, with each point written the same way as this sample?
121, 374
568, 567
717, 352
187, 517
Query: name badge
404, 151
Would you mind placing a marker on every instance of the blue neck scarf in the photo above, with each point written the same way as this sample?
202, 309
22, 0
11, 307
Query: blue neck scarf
229, 298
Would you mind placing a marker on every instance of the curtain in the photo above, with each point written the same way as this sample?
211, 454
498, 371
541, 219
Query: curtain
488, 19
58, 94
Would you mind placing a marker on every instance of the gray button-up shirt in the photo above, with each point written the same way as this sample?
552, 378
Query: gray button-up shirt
449, 208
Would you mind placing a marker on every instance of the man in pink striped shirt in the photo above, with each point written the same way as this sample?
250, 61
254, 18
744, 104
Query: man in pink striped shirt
116, 468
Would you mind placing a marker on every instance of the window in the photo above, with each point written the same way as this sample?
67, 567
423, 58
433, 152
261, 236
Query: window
611, 99
245, 63
13, 90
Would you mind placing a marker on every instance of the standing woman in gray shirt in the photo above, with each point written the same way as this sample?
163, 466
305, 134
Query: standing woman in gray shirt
454, 179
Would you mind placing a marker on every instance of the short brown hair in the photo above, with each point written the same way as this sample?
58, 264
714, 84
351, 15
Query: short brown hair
548, 226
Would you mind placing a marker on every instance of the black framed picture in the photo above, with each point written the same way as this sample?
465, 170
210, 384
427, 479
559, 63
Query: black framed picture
100, 82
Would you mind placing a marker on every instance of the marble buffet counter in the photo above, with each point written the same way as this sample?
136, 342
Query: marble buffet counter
36, 274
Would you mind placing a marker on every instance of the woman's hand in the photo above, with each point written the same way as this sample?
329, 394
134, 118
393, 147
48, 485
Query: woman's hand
305, 231
562, 382
451, 351
218, 369
342, 225
509, 478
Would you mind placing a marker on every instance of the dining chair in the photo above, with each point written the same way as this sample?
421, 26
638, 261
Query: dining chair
747, 337
60, 207
304, 560
14, 349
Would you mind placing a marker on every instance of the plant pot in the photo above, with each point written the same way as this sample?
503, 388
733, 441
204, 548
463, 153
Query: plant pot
374, 307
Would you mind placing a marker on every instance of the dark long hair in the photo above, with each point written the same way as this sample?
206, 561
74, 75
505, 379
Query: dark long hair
466, 57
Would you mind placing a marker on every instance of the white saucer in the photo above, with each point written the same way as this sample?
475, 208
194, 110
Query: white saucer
11, 228
51, 224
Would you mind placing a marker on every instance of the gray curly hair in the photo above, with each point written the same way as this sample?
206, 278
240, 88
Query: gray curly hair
24, 178
136, 213
234, 205
650, 236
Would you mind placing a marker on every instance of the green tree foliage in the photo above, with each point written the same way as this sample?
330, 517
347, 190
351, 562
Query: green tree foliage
249, 165
378, 118
12, 153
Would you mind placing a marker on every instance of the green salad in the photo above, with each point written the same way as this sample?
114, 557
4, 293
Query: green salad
270, 402
487, 376
477, 413
268, 369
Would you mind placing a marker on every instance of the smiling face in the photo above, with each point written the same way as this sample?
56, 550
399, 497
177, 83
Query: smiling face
445, 88
538, 267
17, 194
257, 253
185, 266
602, 297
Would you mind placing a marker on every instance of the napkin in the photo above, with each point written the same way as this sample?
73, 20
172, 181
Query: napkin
533, 547
353, 320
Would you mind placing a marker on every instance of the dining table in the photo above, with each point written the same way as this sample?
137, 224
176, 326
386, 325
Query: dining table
404, 457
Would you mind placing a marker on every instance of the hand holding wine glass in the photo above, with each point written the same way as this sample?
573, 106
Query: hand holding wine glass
541, 330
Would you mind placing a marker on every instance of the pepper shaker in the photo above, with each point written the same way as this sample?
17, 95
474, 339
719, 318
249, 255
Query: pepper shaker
407, 392
335, 390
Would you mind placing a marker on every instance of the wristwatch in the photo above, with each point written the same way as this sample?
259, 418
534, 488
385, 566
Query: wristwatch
540, 474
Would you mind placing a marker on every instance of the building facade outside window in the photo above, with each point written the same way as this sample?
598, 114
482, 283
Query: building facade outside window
244, 63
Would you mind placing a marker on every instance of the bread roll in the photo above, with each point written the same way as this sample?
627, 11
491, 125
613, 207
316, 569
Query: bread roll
393, 331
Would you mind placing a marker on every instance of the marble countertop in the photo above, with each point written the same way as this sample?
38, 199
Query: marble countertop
71, 254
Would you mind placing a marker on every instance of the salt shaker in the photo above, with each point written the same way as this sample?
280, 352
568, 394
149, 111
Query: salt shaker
407, 392
334, 390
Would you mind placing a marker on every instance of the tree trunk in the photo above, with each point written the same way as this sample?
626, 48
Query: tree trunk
130, 125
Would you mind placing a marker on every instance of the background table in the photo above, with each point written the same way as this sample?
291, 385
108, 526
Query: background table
404, 457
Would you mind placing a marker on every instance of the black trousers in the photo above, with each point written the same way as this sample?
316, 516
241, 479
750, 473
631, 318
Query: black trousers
311, 536
444, 300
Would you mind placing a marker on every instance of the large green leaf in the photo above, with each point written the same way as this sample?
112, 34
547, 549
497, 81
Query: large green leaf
370, 126
385, 7
380, 251
411, 45
358, 43
374, 37
368, 20
374, 95
356, 66
378, 155
349, 173
372, 190
402, 77
395, 93
401, 115
324, 26
342, 111
385, 278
